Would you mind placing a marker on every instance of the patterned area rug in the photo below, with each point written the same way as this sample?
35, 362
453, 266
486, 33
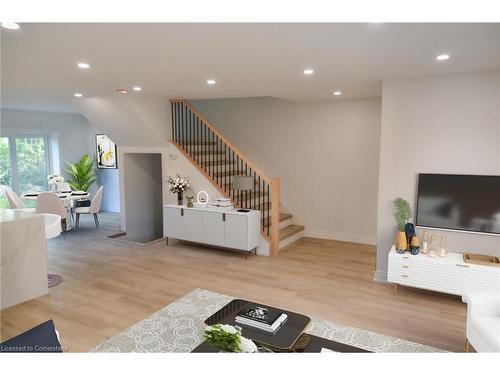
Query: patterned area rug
179, 327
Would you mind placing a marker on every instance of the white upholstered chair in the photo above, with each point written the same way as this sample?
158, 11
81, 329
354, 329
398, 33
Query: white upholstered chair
15, 201
49, 203
483, 320
94, 208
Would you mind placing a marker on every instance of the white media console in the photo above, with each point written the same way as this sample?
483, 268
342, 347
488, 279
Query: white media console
213, 226
448, 275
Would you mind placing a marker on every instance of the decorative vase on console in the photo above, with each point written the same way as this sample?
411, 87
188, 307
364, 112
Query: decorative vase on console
179, 185
415, 245
402, 214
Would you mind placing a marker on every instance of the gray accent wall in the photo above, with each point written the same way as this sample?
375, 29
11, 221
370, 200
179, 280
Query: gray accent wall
142, 181
445, 124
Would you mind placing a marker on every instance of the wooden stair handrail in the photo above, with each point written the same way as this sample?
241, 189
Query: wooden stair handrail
245, 158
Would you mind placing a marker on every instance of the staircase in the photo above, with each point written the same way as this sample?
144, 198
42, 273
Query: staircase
219, 160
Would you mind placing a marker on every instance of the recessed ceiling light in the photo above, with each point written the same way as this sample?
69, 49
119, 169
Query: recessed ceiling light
308, 72
122, 91
137, 88
337, 93
83, 65
442, 57
78, 95
211, 81
10, 25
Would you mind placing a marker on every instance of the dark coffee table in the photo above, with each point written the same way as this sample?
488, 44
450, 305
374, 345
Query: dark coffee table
288, 338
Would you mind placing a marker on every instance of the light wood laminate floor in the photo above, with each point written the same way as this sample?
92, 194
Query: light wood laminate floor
110, 285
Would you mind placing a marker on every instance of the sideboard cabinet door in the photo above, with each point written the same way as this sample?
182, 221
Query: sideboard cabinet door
192, 226
213, 228
172, 222
236, 235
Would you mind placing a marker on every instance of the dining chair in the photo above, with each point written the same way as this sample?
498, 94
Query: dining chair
15, 201
49, 203
94, 208
64, 187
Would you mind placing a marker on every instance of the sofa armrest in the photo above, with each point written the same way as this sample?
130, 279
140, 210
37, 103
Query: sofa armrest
482, 303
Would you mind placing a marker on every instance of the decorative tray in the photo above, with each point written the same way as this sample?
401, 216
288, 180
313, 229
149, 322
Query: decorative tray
484, 260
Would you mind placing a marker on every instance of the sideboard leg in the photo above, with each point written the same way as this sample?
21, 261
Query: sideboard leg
166, 241
467, 346
395, 289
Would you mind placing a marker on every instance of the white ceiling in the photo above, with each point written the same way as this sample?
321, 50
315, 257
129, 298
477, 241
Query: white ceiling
175, 60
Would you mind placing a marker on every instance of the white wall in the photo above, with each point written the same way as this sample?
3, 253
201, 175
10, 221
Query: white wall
447, 124
71, 130
325, 152
130, 121
74, 137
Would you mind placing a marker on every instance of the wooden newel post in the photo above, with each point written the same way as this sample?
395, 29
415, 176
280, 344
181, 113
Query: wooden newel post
275, 216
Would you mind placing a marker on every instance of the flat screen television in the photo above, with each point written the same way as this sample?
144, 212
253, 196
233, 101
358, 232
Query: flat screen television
459, 202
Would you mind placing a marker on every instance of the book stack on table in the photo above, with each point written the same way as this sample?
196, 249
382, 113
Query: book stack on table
261, 318
223, 203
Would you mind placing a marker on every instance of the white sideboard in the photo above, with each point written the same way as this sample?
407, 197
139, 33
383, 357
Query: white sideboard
448, 275
213, 226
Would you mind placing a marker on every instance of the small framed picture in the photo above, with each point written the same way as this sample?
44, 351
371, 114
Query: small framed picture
106, 153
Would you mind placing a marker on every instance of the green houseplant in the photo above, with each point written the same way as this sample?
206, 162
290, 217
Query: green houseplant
82, 173
402, 215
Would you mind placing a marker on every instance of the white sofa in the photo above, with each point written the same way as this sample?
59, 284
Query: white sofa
483, 320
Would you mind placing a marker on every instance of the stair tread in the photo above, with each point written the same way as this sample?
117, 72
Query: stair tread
218, 162
260, 207
197, 143
283, 217
227, 173
290, 231
204, 152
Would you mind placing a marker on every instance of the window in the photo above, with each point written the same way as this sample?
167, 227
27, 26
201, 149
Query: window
24, 162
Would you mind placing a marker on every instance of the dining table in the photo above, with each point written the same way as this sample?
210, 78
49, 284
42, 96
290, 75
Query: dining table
66, 196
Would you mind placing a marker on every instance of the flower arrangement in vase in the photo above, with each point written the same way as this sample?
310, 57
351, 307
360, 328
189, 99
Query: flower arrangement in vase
54, 180
228, 339
179, 185
402, 215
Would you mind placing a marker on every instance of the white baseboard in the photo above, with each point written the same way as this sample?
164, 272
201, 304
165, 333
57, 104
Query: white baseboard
380, 277
347, 237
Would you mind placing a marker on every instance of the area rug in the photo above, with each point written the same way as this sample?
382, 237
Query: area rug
54, 279
179, 327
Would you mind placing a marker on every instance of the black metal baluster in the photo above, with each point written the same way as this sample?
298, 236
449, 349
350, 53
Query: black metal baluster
204, 154
253, 190
178, 121
181, 109
191, 145
262, 208
198, 136
183, 126
268, 210
219, 148
172, 118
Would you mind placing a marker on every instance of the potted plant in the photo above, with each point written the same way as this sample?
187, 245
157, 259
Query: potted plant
179, 185
228, 339
402, 214
82, 173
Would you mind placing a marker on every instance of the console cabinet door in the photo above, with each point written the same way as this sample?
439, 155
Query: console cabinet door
192, 226
213, 228
236, 235
172, 226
